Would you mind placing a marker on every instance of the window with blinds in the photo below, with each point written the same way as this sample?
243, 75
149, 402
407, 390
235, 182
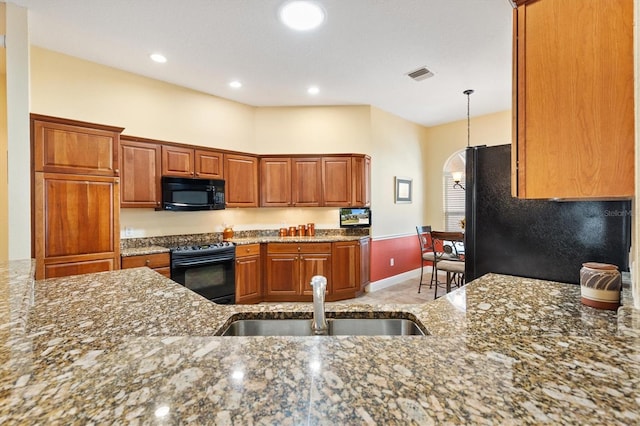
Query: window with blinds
454, 203
454, 198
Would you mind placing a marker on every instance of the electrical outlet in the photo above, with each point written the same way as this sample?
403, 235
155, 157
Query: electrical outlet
128, 232
391, 262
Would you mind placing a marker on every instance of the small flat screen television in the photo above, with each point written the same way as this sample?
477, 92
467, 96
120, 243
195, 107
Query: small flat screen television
355, 217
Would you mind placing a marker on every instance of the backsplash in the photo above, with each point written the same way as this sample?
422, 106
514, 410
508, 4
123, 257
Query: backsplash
216, 237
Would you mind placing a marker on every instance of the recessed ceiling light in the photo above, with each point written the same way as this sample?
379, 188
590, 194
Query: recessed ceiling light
313, 90
235, 84
301, 15
158, 57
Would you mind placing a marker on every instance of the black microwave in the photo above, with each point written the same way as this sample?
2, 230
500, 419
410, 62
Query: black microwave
187, 194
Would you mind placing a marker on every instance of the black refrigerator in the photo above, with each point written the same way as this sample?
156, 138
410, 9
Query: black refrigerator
541, 239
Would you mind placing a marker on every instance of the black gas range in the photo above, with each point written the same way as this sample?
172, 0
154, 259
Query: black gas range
207, 269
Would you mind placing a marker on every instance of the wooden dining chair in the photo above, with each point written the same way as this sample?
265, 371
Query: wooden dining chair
427, 255
449, 257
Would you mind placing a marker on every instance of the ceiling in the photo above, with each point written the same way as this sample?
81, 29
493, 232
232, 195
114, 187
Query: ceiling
360, 56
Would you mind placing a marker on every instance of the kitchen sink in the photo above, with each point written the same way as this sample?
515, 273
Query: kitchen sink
337, 327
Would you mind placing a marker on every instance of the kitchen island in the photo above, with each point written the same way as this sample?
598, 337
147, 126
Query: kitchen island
132, 346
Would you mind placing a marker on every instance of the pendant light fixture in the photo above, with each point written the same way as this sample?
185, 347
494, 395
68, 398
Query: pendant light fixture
457, 176
468, 92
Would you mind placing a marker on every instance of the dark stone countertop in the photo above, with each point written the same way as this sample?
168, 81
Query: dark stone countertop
132, 346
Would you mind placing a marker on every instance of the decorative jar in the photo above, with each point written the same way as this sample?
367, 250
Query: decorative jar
227, 233
600, 285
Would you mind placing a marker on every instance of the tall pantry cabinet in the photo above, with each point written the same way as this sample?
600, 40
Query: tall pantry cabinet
76, 197
573, 99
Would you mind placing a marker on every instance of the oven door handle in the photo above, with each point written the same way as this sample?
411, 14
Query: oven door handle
182, 264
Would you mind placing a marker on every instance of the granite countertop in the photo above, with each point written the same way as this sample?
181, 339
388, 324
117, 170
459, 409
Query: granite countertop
132, 346
140, 251
155, 245
305, 239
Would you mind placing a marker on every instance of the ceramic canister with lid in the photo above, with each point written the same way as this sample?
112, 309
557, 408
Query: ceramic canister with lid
600, 285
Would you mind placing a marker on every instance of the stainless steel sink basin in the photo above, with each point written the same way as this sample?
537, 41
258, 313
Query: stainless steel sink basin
337, 327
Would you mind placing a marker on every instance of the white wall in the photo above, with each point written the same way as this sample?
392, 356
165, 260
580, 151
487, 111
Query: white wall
314, 130
397, 151
68, 87
19, 159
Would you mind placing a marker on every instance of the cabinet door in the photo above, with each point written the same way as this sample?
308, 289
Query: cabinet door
209, 164
76, 224
66, 146
177, 161
312, 264
140, 171
573, 99
241, 175
248, 274
336, 181
306, 178
345, 268
275, 182
361, 181
283, 274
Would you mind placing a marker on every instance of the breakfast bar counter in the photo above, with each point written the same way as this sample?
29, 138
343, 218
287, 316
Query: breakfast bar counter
133, 347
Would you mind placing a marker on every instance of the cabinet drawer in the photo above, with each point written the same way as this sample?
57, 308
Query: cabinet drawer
247, 250
160, 260
299, 248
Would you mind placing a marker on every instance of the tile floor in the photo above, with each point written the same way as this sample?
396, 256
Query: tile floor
404, 292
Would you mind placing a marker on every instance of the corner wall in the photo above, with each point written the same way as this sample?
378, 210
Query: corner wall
18, 157
4, 197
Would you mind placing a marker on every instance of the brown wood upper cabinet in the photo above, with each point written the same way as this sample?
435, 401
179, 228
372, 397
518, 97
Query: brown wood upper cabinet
332, 181
140, 162
189, 162
573, 99
361, 180
241, 176
336, 181
70, 146
306, 180
286, 182
275, 182
209, 164
346, 181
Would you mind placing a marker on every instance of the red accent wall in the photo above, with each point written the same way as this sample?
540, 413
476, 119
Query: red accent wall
404, 250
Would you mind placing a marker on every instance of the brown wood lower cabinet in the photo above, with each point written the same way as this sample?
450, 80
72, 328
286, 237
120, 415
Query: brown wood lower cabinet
346, 282
290, 266
248, 274
76, 224
282, 272
159, 262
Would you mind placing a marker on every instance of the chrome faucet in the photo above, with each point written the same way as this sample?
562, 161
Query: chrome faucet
319, 323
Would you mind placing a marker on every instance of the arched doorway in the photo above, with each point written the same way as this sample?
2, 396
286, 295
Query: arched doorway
454, 194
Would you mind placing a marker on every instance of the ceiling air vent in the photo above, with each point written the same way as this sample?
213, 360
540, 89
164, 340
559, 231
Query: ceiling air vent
420, 74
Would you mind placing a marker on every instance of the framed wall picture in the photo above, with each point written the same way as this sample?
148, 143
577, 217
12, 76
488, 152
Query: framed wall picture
404, 187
